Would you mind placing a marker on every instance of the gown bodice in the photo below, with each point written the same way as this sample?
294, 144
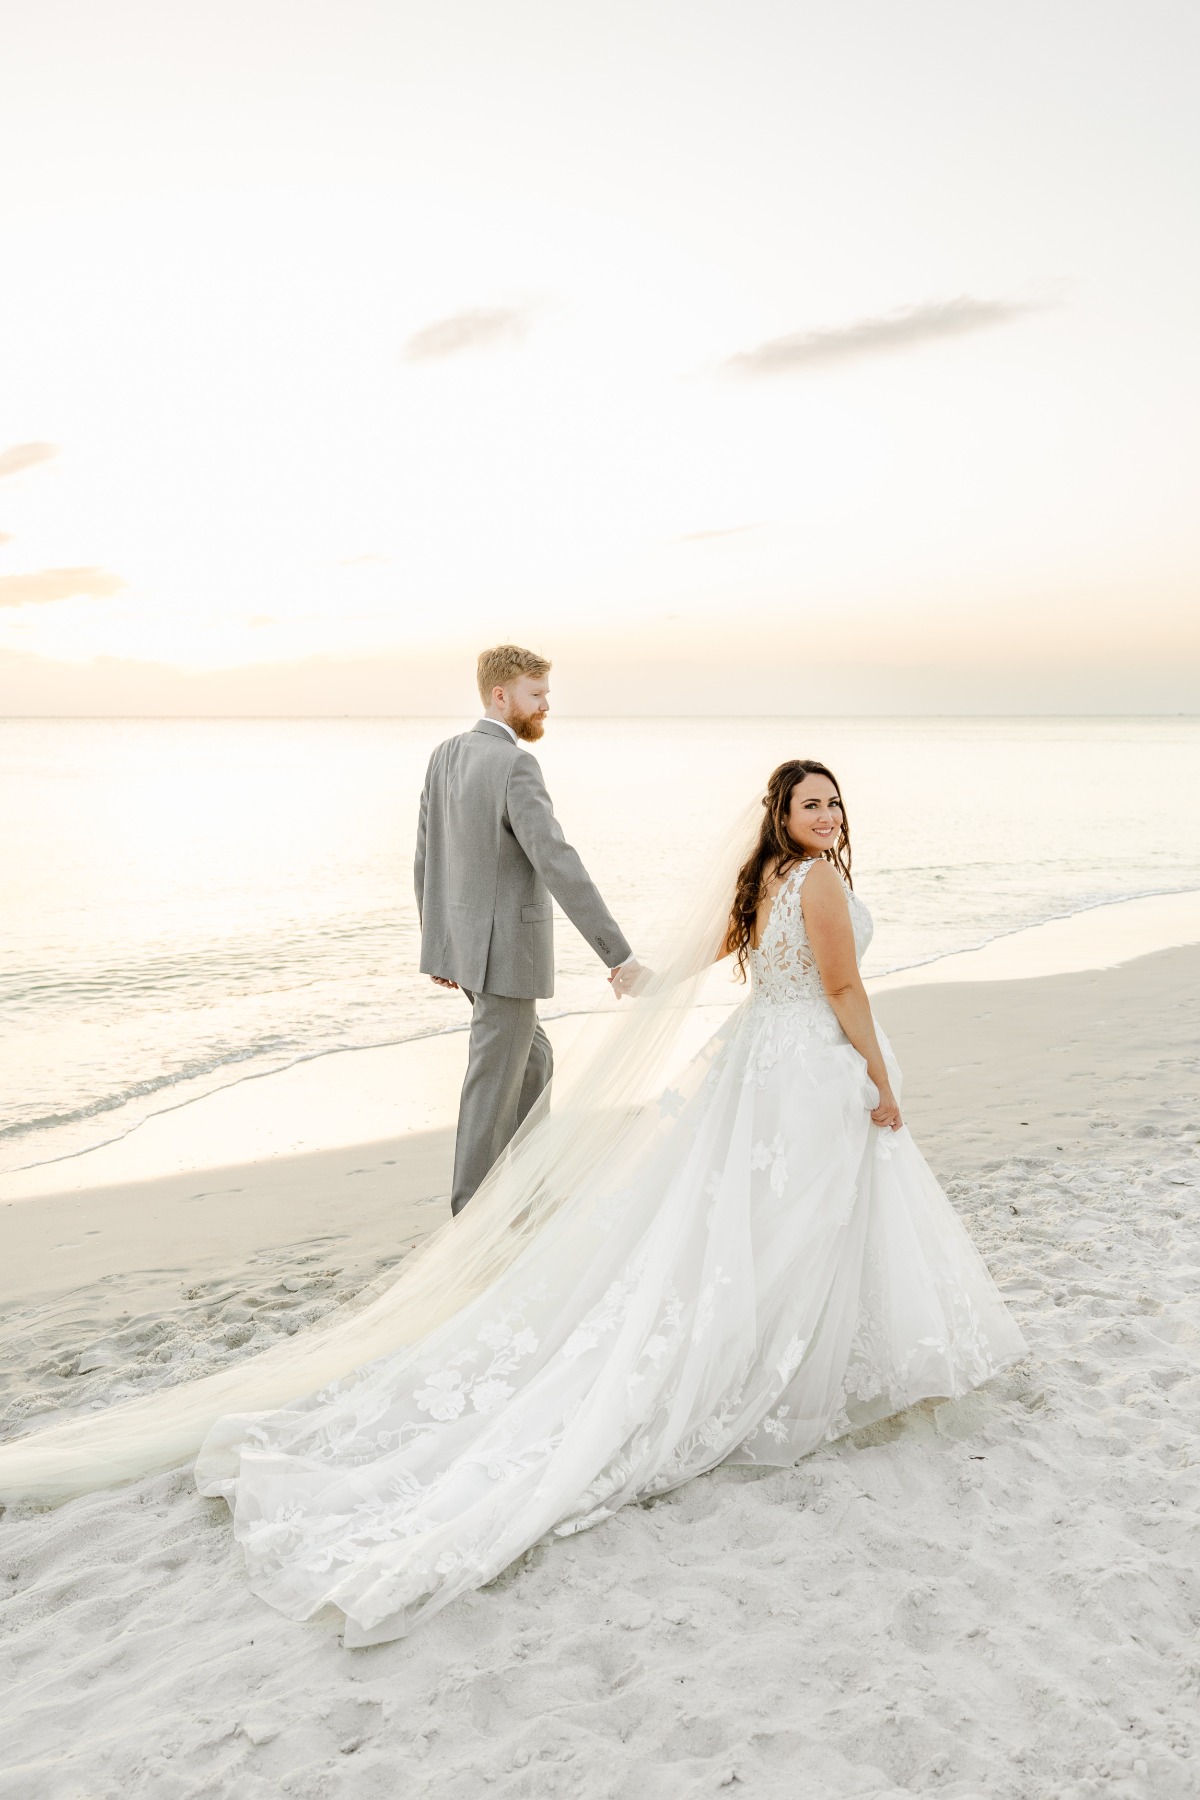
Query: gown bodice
783, 969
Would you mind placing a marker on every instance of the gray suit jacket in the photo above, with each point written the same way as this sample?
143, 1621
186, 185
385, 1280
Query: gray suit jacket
490, 854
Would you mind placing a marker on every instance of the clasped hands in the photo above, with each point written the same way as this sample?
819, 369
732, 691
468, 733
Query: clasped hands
630, 978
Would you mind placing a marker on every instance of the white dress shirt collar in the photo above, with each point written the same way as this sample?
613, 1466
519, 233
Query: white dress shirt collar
500, 722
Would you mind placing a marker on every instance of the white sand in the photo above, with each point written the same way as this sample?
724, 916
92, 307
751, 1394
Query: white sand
994, 1597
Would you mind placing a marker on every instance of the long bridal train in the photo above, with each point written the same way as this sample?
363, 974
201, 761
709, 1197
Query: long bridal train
742, 1269
664, 1271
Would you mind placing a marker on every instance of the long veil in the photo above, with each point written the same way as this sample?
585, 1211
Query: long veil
583, 1139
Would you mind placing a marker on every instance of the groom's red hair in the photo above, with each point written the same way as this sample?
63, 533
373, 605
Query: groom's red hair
501, 666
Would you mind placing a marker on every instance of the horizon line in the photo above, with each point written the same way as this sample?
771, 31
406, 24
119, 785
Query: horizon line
368, 718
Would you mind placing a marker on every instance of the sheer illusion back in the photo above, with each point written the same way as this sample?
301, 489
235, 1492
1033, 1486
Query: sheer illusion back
768, 1272
782, 966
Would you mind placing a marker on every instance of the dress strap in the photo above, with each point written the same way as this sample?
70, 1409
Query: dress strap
783, 893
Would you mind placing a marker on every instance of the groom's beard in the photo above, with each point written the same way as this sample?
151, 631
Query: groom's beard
528, 726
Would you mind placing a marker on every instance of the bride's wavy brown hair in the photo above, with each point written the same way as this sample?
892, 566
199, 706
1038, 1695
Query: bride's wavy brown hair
777, 850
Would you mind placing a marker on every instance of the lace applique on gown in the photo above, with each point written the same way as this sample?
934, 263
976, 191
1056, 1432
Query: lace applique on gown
779, 1272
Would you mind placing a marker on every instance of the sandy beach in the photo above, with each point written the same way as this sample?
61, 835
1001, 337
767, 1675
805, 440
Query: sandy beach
992, 1597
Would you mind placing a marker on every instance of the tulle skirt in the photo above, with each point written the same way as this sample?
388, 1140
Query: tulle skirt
773, 1272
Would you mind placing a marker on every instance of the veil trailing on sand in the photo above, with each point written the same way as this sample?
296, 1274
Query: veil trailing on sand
609, 1102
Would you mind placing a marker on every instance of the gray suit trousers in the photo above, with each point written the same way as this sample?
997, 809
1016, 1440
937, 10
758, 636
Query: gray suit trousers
509, 1065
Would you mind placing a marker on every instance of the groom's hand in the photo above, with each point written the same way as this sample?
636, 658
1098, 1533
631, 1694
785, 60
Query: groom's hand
629, 978
440, 981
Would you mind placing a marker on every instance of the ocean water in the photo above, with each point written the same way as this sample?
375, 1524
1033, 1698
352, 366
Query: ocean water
186, 903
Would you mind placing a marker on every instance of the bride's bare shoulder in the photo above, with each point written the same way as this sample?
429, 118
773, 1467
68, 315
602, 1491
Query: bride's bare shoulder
823, 887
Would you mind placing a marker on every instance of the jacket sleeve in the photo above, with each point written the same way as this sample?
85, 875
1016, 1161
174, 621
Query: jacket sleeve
540, 836
419, 858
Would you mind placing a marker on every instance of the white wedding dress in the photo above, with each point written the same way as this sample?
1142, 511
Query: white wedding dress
775, 1271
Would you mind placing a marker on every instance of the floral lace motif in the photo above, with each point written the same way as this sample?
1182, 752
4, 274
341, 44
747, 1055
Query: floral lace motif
782, 966
776, 1273
788, 1010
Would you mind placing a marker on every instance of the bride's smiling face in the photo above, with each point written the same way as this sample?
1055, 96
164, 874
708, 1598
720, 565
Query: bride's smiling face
814, 819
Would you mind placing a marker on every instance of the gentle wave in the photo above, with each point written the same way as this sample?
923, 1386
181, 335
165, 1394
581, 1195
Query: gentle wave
250, 964
221, 1087
1052, 918
178, 1078
142, 1090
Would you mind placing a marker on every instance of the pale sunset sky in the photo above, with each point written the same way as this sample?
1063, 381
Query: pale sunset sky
742, 356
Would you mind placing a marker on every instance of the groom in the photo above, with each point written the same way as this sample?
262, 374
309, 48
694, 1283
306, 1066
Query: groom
490, 855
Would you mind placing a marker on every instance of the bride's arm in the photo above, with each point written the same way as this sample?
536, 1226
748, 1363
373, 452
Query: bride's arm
827, 922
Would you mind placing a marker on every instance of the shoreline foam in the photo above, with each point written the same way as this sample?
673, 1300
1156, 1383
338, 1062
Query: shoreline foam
408, 1080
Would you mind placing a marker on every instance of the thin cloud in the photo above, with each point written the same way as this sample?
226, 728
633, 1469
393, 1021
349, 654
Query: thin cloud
481, 328
25, 456
905, 329
46, 585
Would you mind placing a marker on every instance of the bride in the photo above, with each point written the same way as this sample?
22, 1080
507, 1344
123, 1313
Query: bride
736, 1262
